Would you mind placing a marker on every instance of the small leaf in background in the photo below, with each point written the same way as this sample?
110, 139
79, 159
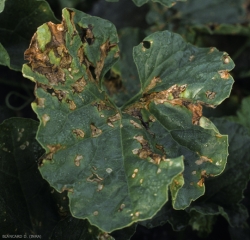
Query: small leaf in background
18, 22
4, 56
139, 3
125, 233
177, 218
198, 13
25, 205
224, 194
77, 229
102, 156
2, 2
243, 114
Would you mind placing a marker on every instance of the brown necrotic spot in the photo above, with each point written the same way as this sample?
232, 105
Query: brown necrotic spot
104, 49
113, 119
224, 74
191, 58
196, 110
99, 187
145, 152
101, 105
94, 178
87, 34
152, 84
135, 124
211, 49
65, 188
53, 149
72, 105
55, 75
203, 159
39, 59
79, 85
79, 133
226, 59
95, 132
77, 160
210, 95
40, 102
45, 119
204, 175
60, 94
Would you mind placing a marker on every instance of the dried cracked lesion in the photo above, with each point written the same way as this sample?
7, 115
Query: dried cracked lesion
104, 49
224, 74
40, 102
204, 175
40, 61
95, 132
102, 105
77, 160
135, 124
203, 159
52, 150
95, 178
71, 103
45, 119
87, 34
79, 85
210, 95
79, 133
146, 153
113, 119
172, 96
152, 84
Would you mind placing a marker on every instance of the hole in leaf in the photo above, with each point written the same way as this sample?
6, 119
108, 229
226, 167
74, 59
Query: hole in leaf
87, 35
92, 70
146, 44
113, 82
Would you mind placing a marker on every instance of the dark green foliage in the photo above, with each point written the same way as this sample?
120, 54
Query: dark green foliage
126, 143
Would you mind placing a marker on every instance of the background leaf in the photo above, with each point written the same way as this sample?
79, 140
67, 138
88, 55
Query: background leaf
26, 207
122, 83
243, 114
139, 3
18, 22
224, 194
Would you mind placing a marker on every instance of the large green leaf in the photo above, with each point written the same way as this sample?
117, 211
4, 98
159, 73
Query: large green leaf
117, 163
168, 3
89, 154
18, 22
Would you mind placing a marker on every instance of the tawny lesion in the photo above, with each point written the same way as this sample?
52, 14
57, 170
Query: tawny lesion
95, 132
145, 152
